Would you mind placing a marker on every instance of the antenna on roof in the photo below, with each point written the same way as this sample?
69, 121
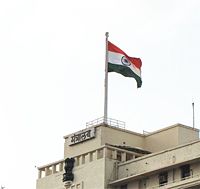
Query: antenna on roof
193, 115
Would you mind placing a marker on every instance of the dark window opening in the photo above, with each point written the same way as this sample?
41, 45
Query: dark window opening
123, 186
163, 178
119, 156
129, 157
185, 171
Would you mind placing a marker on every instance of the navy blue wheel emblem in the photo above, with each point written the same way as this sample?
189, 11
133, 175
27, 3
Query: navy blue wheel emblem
125, 61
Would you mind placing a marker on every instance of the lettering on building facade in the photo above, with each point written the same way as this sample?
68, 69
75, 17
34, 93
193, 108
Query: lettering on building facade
81, 136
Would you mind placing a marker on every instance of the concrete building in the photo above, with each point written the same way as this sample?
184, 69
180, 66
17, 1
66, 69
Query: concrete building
107, 156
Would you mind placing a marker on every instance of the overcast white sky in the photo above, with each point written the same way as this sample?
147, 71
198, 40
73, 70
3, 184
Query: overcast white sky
52, 73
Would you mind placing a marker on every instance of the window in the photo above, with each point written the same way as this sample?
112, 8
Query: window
163, 178
185, 171
129, 157
119, 156
123, 186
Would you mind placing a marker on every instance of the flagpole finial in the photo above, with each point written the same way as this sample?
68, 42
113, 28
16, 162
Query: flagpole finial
107, 34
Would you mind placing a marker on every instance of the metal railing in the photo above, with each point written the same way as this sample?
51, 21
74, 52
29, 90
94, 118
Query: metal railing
106, 121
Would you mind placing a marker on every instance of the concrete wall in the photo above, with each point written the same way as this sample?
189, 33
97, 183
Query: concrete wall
170, 137
174, 178
104, 134
110, 171
187, 135
151, 181
159, 160
91, 174
121, 137
84, 147
162, 140
88, 176
51, 182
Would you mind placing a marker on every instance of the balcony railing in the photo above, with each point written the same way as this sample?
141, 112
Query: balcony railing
106, 121
102, 152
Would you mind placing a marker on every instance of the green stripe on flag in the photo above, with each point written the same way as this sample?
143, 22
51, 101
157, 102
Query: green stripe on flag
125, 71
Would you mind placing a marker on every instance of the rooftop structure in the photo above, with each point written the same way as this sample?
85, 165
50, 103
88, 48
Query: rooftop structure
107, 156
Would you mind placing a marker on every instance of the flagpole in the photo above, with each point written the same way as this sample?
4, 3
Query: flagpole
193, 121
106, 81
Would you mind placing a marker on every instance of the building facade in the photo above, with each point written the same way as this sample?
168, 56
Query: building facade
107, 156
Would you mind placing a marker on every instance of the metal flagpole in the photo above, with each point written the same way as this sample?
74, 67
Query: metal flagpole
106, 82
193, 121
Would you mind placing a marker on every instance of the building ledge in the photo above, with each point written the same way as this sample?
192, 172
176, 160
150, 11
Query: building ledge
160, 152
142, 175
170, 127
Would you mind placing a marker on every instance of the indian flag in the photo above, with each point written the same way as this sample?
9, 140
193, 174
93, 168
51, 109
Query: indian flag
120, 62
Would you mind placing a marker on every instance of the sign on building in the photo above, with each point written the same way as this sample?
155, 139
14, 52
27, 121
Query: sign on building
81, 136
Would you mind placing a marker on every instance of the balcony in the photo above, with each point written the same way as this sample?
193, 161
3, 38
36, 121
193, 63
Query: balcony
50, 169
157, 162
106, 151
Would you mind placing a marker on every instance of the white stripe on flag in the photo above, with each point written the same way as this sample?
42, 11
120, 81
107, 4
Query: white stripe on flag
116, 58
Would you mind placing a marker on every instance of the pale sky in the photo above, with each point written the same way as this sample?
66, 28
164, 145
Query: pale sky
52, 73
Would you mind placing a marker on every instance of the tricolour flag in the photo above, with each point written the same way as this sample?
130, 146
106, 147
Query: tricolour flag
120, 62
